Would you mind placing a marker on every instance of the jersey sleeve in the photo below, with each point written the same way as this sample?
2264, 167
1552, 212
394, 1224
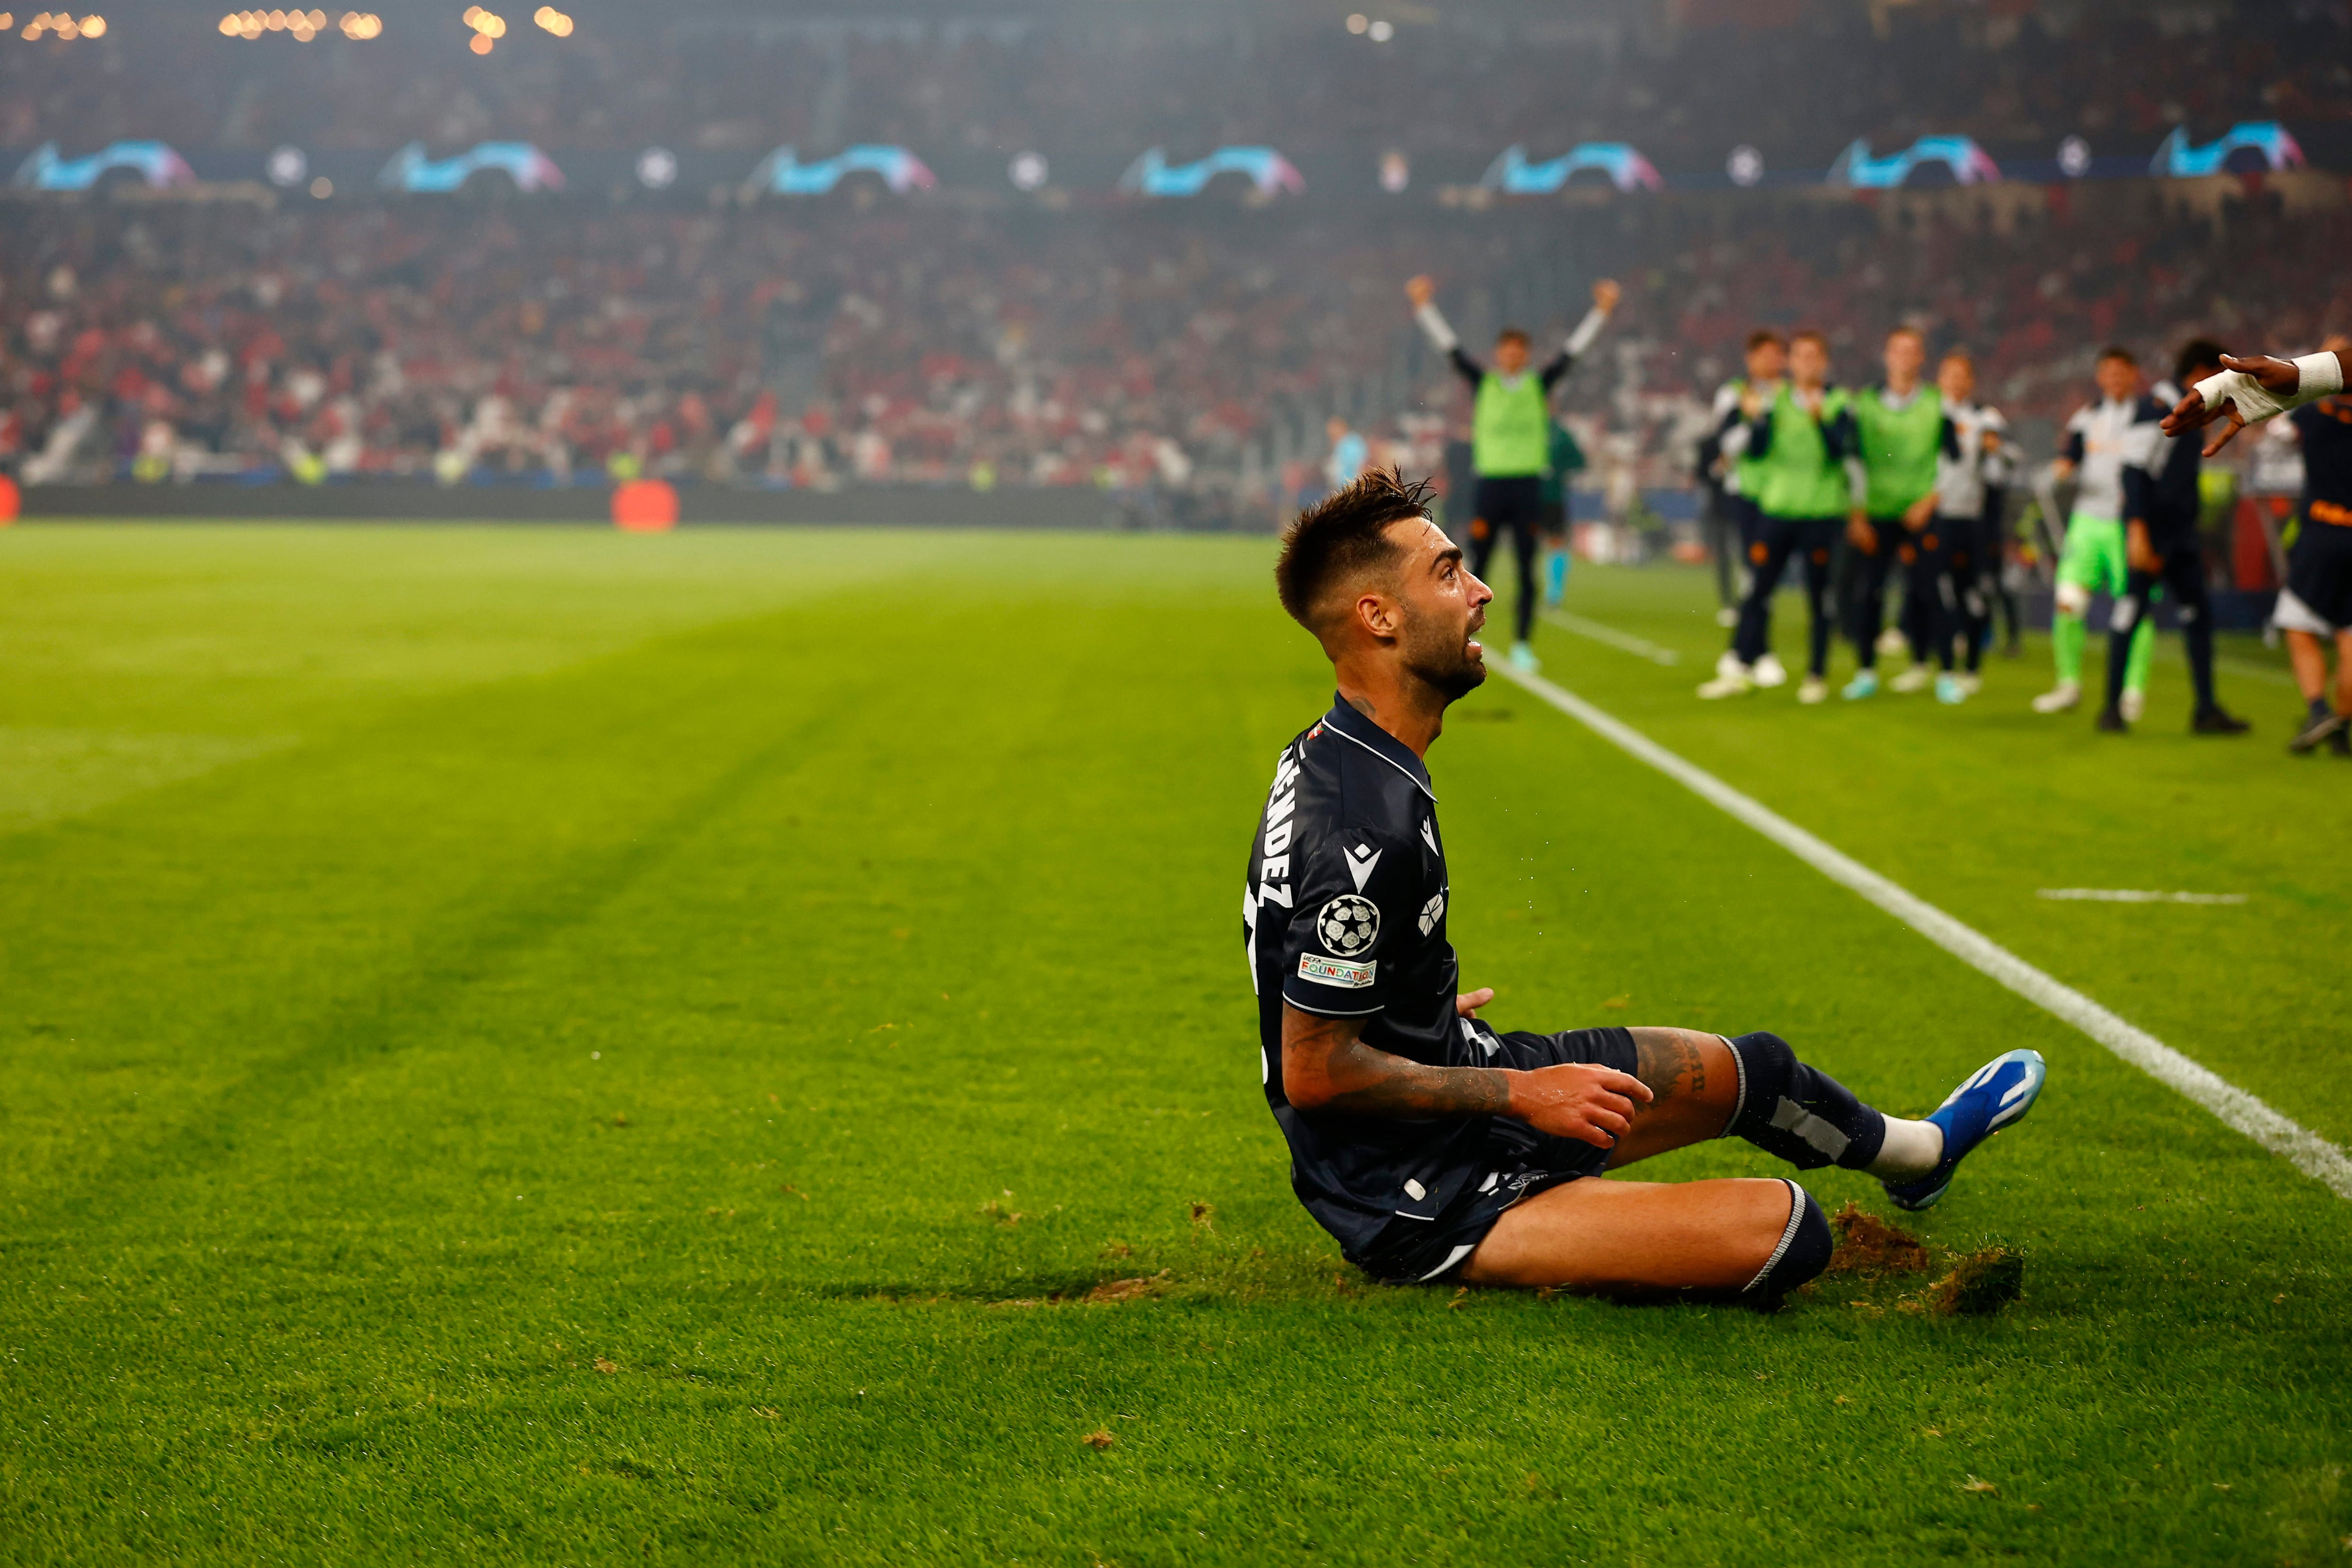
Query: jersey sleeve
1354, 890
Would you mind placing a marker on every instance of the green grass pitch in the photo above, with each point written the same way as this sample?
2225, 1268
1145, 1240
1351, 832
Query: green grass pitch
542, 1046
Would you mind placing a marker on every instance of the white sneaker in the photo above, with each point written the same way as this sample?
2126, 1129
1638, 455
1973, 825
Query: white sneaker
1813, 689
2134, 704
2059, 699
1915, 679
1524, 657
1768, 671
1735, 684
1970, 682
1892, 640
1727, 617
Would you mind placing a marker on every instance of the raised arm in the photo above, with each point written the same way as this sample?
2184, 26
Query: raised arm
1604, 301
1423, 292
1327, 1065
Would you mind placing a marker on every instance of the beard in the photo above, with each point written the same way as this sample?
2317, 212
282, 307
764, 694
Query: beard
1440, 656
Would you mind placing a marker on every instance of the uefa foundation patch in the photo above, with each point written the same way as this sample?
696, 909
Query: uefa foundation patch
1353, 974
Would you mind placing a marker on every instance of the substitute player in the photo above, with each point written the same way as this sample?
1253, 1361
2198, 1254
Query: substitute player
2091, 560
1800, 437
1429, 1144
2161, 505
1898, 430
1510, 438
1733, 477
1960, 549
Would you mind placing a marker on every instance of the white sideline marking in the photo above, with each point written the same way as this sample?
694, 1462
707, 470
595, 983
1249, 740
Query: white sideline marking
2138, 896
2312, 1154
1601, 632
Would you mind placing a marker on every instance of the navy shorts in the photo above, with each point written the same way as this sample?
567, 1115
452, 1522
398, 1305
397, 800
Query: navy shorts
1516, 1164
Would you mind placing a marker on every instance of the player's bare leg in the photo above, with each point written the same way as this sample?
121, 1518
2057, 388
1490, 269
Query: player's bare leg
1632, 1239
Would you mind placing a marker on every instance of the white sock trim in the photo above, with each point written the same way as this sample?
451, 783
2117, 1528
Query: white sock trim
1788, 1233
1739, 1102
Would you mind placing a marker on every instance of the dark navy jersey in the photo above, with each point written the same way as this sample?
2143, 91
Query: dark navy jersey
2325, 427
2160, 474
1344, 917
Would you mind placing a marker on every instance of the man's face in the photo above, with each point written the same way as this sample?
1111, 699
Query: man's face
1767, 361
1957, 380
1510, 356
1808, 362
2117, 378
1905, 354
1444, 607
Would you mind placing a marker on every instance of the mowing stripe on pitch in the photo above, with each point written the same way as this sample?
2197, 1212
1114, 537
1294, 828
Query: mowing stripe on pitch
1625, 642
2312, 1154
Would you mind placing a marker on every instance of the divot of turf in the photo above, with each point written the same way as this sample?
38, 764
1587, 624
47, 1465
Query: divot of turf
1869, 1246
1981, 1283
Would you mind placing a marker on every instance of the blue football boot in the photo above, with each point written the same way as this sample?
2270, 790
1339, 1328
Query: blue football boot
1995, 1096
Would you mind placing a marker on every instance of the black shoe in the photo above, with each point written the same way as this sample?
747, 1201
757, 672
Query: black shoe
2217, 721
2340, 743
2111, 720
2329, 728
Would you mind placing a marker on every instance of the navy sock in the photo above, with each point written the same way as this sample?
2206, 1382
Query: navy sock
2319, 708
1800, 1114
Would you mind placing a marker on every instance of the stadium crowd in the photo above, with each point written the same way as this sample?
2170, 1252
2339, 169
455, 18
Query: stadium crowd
1194, 348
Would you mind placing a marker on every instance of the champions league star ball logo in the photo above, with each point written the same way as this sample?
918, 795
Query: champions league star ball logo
1347, 924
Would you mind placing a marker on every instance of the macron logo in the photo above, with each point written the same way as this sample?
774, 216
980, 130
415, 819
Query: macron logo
1361, 858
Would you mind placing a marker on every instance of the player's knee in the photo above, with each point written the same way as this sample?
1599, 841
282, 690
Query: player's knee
1802, 1252
2073, 598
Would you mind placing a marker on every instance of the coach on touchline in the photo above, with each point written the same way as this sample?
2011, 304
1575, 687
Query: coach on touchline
1427, 1143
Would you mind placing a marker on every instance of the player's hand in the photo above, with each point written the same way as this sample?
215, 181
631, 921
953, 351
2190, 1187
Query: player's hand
1751, 403
1466, 1005
1605, 295
2279, 377
2138, 551
1421, 290
2061, 469
1861, 535
1593, 1105
1916, 516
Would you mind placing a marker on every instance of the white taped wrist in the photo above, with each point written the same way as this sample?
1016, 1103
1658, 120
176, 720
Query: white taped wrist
2322, 376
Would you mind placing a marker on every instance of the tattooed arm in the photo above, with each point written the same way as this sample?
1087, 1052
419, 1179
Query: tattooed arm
1326, 1066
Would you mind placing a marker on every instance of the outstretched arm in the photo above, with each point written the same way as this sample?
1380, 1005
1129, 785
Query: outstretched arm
1604, 302
2249, 391
1327, 1065
1423, 292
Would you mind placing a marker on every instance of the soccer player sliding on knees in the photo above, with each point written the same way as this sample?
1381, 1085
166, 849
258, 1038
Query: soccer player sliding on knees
1430, 1144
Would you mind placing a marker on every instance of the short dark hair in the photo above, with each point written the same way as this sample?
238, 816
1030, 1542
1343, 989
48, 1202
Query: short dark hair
2195, 355
1764, 337
1341, 536
2116, 351
1906, 331
1810, 335
1963, 356
1512, 334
